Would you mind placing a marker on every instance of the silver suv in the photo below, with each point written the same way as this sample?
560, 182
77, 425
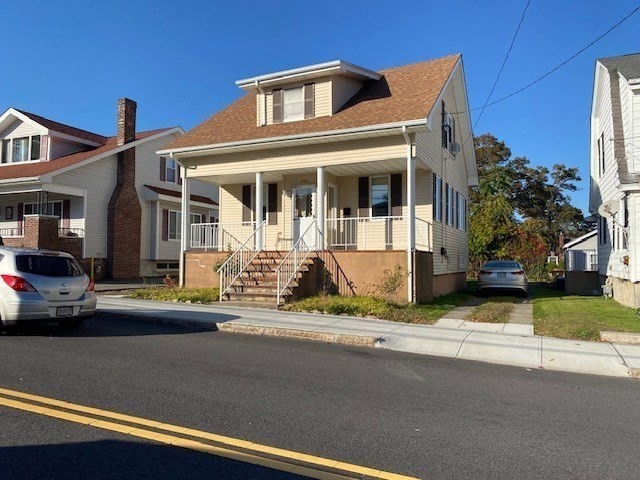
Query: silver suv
44, 285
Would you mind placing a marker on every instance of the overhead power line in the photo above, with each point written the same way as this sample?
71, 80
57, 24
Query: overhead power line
557, 67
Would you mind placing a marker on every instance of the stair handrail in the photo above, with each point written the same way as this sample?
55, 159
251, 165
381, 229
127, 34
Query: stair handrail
233, 267
288, 269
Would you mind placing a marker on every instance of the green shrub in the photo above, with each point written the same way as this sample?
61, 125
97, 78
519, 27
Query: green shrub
185, 295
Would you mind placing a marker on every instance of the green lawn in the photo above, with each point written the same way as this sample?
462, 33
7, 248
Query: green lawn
577, 317
362, 306
175, 294
494, 310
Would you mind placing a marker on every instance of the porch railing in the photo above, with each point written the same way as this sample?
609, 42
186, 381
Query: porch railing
233, 267
423, 235
71, 232
11, 232
220, 236
292, 262
375, 233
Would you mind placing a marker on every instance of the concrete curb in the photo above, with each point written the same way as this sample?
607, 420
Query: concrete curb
247, 329
620, 337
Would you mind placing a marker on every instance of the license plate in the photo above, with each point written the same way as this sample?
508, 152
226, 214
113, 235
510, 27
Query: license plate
64, 311
502, 274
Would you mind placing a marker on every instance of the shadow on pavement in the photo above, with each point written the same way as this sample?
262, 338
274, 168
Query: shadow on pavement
115, 459
107, 326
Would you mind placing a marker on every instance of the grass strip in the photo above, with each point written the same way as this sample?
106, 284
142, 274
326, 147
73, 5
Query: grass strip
175, 294
496, 310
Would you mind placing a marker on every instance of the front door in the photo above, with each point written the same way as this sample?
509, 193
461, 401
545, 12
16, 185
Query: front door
304, 210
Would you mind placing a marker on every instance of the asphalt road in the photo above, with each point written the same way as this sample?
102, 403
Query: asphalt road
415, 415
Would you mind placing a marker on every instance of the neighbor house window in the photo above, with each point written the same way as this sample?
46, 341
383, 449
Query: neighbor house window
293, 100
174, 225
195, 218
20, 149
380, 196
53, 208
172, 170
437, 198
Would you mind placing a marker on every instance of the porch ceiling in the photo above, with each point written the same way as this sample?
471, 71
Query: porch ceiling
344, 170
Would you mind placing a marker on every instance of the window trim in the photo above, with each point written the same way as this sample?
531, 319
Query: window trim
6, 156
388, 179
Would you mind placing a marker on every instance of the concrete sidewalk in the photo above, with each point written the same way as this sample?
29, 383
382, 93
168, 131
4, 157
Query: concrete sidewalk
454, 341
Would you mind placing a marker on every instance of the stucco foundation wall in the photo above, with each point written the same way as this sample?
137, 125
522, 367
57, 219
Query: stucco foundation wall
449, 283
200, 271
357, 272
582, 283
625, 292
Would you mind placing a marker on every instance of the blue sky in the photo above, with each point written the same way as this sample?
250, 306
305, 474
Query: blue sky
70, 60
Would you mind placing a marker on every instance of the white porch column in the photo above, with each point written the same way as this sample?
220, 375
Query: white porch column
185, 227
320, 244
411, 220
259, 210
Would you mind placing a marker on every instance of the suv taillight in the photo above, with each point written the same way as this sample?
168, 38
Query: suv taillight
19, 284
92, 286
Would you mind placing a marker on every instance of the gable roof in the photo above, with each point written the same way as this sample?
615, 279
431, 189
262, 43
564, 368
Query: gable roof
34, 169
403, 93
580, 239
627, 65
67, 129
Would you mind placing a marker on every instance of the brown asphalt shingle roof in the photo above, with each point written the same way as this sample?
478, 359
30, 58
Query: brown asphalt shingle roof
28, 169
62, 128
173, 193
403, 93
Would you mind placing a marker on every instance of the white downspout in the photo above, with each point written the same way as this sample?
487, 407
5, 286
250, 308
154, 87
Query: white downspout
185, 222
411, 215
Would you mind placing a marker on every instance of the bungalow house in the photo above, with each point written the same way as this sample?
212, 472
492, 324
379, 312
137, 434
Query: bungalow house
615, 174
110, 201
335, 177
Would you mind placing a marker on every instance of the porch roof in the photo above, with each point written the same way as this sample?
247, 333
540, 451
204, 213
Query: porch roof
403, 94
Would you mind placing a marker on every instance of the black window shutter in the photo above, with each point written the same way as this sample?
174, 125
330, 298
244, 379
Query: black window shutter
272, 204
278, 111
363, 196
309, 100
444, 129
246, 203
396, 194
163, 169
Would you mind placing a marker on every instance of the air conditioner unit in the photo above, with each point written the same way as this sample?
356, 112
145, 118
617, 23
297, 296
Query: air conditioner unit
454, 148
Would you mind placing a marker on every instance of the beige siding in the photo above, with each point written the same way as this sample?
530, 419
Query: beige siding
99, 180
343, 89
327, 154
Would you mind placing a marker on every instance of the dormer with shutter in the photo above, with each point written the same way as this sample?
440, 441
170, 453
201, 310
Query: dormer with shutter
308, 92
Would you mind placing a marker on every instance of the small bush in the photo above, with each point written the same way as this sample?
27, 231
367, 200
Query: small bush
390, 282
184, 295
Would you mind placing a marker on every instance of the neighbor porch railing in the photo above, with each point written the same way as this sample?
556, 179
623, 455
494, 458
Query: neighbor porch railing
71, 232
375, 233
12, 232
292, 262
233, 267
220, 236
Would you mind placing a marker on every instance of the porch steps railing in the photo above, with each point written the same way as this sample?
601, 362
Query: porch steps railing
239, 260
293, 261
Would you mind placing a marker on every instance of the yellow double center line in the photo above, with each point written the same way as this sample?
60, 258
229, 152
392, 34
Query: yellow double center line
285, 460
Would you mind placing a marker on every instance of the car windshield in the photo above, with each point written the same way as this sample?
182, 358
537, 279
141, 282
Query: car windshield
49, 265
501, 264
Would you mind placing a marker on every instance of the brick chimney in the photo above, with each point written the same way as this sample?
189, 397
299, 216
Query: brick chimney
126, 121
125, 212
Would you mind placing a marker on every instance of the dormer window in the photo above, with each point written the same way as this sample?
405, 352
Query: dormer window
20, 149
293, 104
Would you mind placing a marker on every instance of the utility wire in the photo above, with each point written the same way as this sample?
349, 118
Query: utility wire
557, 67
504, 62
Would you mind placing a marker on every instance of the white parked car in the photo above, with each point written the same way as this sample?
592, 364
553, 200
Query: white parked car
44, 285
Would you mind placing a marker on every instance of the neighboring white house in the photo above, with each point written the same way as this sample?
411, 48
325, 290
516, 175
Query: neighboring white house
615, 173
51, 169
336, 172
581, 254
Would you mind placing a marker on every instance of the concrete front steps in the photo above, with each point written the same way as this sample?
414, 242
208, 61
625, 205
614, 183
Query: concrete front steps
258, 283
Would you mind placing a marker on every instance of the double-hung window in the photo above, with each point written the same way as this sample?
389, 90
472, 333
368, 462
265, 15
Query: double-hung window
380, 196
172, 170
437, 198
175, 218
293, 103
21, 149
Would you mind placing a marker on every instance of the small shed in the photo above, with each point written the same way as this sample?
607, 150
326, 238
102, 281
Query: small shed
581, 254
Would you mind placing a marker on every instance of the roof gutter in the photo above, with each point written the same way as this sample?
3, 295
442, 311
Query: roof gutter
395, 128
